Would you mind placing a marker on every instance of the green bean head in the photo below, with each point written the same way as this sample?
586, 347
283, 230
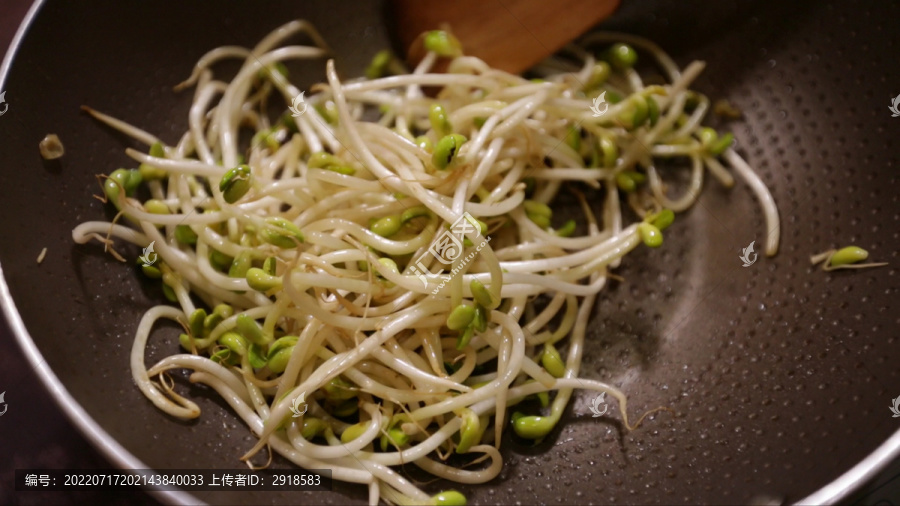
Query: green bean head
533, 427
354, 431
387, 226
262, 281
281, 232
848, 255
442, 43
469, 432
622, 56
235, 183
447, 150
461, 316
149, 172
650, 235
448, 498
552, 361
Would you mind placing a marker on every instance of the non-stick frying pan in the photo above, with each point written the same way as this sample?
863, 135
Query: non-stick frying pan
779, 375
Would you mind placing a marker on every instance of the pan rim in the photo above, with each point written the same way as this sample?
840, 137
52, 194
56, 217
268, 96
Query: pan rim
830, 493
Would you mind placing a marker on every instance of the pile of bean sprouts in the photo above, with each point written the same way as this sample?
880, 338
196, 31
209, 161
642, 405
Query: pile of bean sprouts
306, 269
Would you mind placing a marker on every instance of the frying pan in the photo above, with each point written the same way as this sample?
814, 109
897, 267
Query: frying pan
778, 375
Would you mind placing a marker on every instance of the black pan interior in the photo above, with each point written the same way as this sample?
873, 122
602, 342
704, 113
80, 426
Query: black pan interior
778, 375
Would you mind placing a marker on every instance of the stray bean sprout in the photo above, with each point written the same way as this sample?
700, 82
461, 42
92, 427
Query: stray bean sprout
845, 258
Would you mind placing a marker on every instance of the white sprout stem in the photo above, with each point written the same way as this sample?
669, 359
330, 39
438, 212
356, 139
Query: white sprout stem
180, 408
763, 195
121, 126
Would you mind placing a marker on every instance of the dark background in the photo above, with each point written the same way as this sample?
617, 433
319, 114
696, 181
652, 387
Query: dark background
34, 433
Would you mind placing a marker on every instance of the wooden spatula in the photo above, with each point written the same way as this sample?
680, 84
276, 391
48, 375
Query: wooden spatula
512, 35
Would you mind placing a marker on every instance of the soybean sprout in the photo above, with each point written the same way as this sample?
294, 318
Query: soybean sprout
845, 258
408, 275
